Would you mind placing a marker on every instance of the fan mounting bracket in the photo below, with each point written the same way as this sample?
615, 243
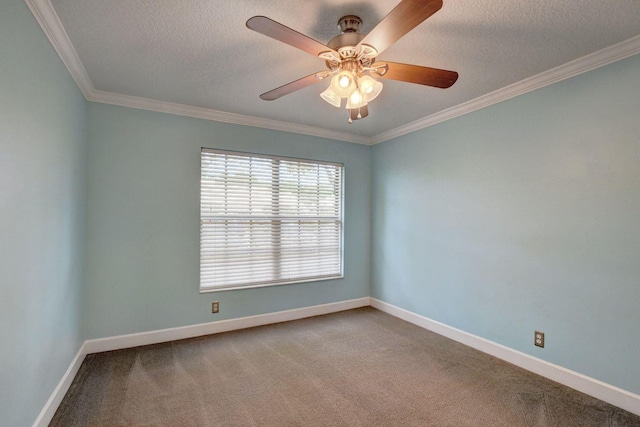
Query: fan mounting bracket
350, 24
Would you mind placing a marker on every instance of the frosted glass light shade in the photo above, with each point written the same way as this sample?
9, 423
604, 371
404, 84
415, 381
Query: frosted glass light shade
343, 84
330, 96
369, 87
356, 100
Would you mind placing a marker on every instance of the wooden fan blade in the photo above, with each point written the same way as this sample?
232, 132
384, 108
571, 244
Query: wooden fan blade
290, 87
275, 30
417, 74
407, 15
358, 113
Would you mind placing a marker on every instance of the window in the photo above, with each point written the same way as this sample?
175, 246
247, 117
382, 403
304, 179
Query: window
268, 220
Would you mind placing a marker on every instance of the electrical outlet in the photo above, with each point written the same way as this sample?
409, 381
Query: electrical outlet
539, 339
215, 307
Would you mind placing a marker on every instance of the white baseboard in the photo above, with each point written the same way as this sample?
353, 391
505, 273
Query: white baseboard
164, 335
49, 409
591, 386
191, 331
598, 389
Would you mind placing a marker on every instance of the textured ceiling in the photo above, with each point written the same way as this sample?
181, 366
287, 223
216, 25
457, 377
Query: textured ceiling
200, 53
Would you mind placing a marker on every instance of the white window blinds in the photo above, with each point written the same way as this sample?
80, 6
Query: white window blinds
268, 220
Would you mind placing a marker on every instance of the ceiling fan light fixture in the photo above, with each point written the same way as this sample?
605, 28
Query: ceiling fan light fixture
350, 57
343, 84
330, 96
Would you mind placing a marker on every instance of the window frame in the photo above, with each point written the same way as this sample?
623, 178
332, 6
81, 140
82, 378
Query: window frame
341, 172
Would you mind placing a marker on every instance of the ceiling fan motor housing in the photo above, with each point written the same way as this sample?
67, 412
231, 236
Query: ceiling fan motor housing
350, 27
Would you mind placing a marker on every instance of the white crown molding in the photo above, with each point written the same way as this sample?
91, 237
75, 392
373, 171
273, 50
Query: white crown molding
614, 395
50, 23
220, 116
589, 62
46, 16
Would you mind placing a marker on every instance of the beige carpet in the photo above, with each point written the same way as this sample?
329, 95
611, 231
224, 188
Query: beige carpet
356, 368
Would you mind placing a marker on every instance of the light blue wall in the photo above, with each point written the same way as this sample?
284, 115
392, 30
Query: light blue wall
143, 180
42, 139
521, 216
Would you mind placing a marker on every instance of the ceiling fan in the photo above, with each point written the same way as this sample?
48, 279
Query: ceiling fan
350, 57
